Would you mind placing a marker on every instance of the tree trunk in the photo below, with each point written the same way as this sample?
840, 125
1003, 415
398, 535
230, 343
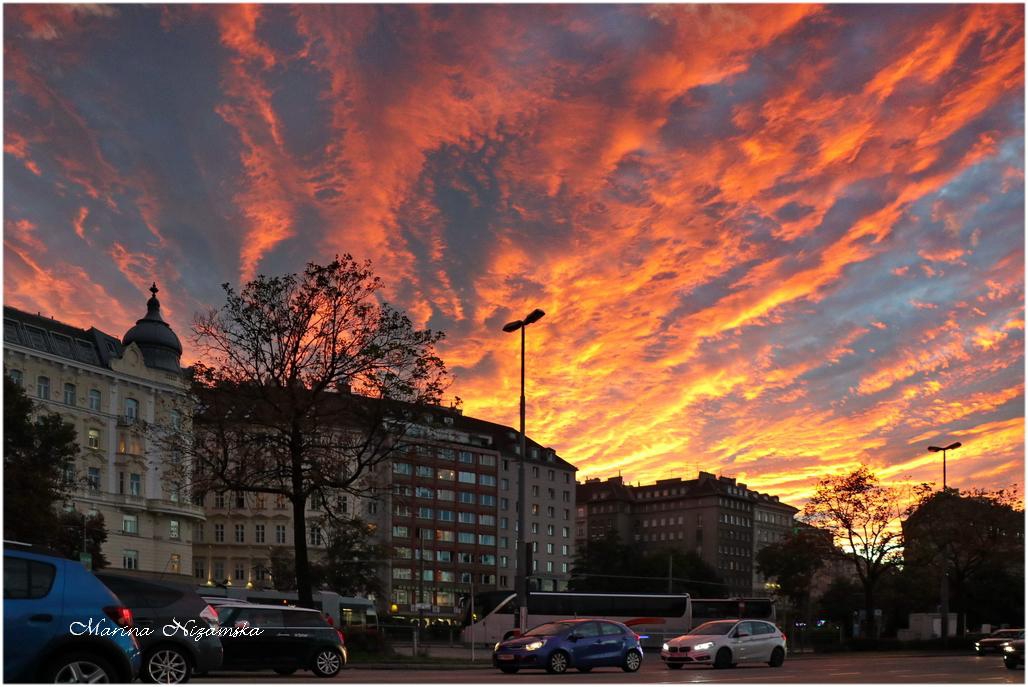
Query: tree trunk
869, 610
303, 566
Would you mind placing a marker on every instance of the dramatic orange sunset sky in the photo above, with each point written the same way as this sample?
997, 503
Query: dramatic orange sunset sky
771, 241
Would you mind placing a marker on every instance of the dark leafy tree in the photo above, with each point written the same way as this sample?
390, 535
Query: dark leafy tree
863, 517
68, 539
39, 453
966, 534
310, 384
793, 562
839, 601
608, 565
353, 560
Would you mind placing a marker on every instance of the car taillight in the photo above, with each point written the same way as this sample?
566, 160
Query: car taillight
342, 637
210, 614
121, 616
784, 638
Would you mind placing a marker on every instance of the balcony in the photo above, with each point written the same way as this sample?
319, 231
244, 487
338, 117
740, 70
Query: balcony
131, 421
183, 508
123, 501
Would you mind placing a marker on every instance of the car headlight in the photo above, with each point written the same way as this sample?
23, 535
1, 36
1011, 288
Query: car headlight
977, 645
664, 648
496, 647
537, 644
1008, 648
703, 646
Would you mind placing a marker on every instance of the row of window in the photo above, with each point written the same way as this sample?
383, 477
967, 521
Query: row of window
732, 519
449, 454
258, 571
130, 525
466, 497
259, 533
428, 472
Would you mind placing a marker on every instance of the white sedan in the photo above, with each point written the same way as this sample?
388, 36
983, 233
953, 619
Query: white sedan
724, 643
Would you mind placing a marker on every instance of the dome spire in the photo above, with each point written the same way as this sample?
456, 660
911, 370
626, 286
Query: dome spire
155, 338
153, 306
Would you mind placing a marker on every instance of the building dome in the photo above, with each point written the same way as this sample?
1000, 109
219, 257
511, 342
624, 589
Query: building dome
159, 344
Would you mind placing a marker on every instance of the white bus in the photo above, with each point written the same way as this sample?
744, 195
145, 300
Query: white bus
654, 617
352, 614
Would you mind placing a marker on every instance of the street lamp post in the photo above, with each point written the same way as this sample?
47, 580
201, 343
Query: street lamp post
944, 584
522, 550
935, 449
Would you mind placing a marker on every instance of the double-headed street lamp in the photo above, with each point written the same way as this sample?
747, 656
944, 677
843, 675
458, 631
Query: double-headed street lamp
521, 579
935, 449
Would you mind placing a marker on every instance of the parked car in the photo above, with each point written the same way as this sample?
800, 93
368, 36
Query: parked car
291, 639
996, 641
1013, 654
724, 643
49, 604
169, 611
582, 643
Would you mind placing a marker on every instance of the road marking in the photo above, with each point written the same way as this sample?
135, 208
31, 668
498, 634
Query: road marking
841, 674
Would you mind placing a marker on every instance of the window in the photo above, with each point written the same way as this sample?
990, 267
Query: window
280, 534
315, 535
130, 559
466, 537
219, 533
258, 534
551, 475
16, 376
424, 492
487, 480
135, 484
219, 570
173, 529
240, 534
504, 504
425, 512
280, 502
402, 468
445, 576
535, 471
445, 494
240, 572
549, 530
428, 575
240, 500
69, 394
487, 539
129, 524
467, 497
401, 573
94, 400
504, 523
489, 520
549, 549
487, 499
401, 531
443, 473
504, 484
444, 535
199, 569
535, 490
131, 408
444, 556
93, 479
466, 518
43, 387
444, 515
550, 512
219, 500
466, 477
93, 438
467, 457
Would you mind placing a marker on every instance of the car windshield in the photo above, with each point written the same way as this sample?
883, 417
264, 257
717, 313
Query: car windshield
1005, 634
715, 627
547, 629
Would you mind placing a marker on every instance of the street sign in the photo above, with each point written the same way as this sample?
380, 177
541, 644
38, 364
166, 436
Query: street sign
86, 559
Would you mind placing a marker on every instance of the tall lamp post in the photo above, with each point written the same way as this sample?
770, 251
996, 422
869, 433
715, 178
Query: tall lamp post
935, 449
522, 551
944, 584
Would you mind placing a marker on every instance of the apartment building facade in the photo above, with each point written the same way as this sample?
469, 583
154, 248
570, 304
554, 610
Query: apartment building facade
120, 395
714, 516
445, 504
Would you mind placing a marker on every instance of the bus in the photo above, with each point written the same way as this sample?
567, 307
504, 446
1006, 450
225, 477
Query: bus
654, 617
489, 616
348, 613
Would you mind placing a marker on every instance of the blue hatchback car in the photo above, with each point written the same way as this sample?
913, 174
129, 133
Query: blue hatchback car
49, 605
583, 644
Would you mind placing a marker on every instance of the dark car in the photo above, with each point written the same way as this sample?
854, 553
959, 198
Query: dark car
173, 617
997, 640
61, 624
290, 639
1013, 654
581, 643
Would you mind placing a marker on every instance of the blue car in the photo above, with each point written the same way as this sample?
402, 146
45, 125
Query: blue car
583, 644
61, 624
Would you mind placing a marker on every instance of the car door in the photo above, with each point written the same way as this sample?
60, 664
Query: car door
33, 611
587, 645
266, 648
763, 641
305, 629
611, 645
742, 642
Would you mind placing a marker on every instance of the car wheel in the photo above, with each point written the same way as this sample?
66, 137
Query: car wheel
723, 659
510, 670
327, 663
1010, 664
633, 659
79, 667
980, 652
777, 657
558, 662
285, 671
674, 666
165, 665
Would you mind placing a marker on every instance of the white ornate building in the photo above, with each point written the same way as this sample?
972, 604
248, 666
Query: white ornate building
120, 395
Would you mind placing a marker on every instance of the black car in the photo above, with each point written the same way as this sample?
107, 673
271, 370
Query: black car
290, 639
997, 640
1013, 654
175, 640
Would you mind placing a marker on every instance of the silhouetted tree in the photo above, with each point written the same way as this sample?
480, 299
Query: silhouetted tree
863, 517
67, 539
309, 385
352, 561
793, 562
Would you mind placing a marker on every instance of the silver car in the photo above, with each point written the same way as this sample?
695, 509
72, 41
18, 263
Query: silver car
724, 643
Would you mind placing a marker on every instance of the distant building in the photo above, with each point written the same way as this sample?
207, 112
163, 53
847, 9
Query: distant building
119, 395
447, 508
725, 523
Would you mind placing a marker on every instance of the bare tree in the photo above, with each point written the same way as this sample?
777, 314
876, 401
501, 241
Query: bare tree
309, 383
863, 516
